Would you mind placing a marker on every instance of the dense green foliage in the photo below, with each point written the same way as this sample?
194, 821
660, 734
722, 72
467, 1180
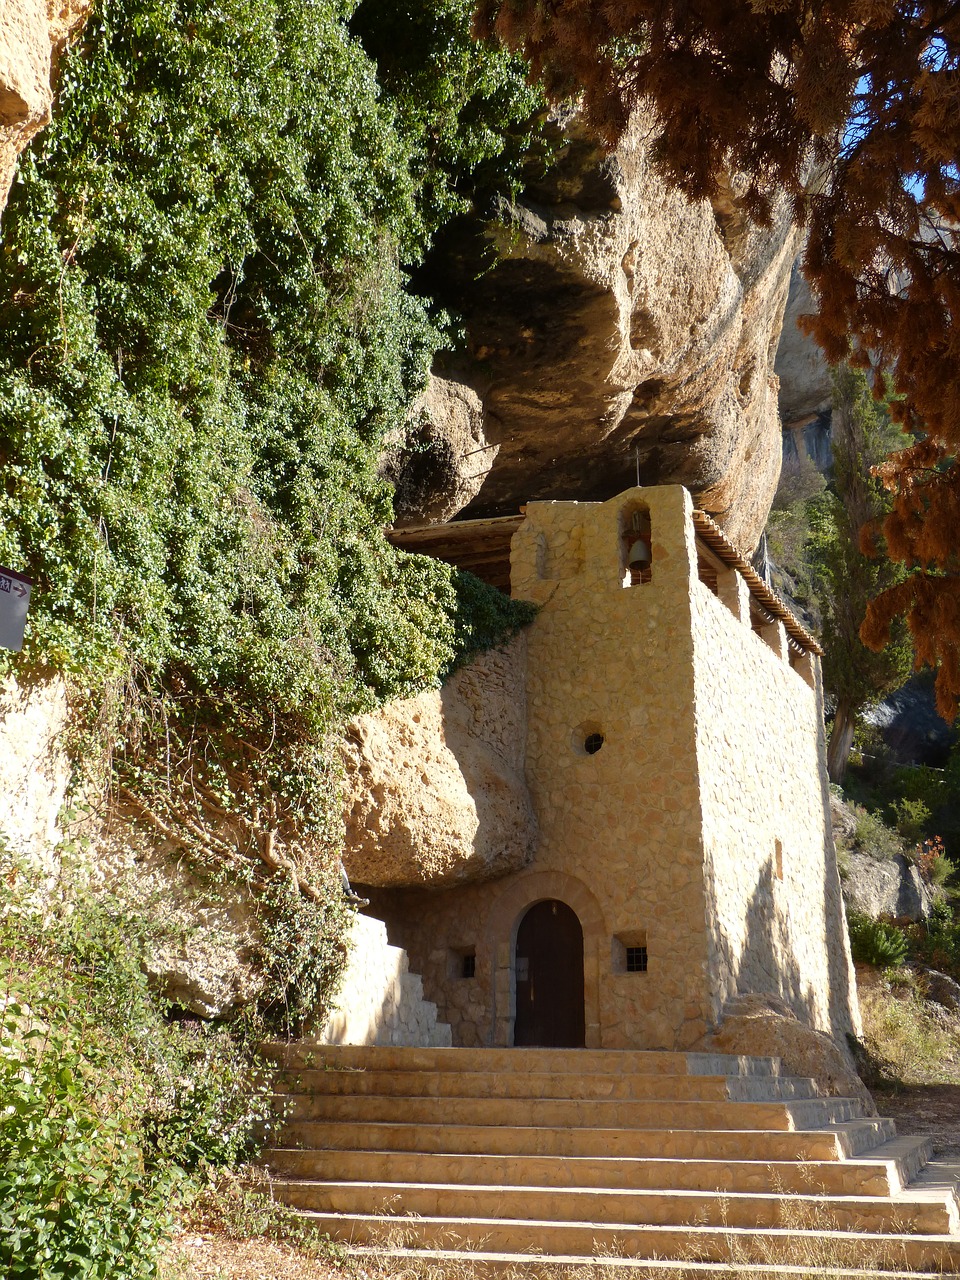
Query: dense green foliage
208, 338
470, 119
111, 1111
208, 335
875, 941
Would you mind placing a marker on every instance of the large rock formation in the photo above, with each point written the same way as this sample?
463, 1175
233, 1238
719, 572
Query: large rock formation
435, 791
891, 887
806, 389
32, 34
618, 322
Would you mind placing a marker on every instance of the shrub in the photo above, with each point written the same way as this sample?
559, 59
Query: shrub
906, 1041
935, 942
911, 819
873, 835
110, 1111
876, 942
76, 1196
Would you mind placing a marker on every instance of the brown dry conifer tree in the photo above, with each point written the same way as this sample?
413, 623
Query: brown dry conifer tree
853, 106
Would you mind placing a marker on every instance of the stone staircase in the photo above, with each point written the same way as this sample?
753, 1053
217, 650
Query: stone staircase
602, 1159
380, 1001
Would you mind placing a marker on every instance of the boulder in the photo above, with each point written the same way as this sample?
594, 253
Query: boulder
32, 35
762, 1024
204, 946
209, 972
887, 887
940, 988
446, 458
435, 792
612, 323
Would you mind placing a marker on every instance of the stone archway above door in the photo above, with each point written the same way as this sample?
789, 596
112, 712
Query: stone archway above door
505, 916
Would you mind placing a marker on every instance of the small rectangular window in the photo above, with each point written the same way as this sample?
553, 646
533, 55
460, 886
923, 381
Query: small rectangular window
636, 959
461, 963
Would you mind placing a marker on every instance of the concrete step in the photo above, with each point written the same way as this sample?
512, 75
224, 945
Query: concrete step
523, 1266
572, 1112
840, 1141
550, 1061
925, 1214
887, 1171
539, 1084
817, 1244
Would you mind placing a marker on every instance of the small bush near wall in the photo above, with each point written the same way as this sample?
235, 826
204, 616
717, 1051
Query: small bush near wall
876, 942
873, 835
115, 1114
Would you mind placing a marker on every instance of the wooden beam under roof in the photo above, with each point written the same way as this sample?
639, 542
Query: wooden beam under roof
480, 546
713, 537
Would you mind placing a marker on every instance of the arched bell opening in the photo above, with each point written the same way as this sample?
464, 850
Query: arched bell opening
636, 545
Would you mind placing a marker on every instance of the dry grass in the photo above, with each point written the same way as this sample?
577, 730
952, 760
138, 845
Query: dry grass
237, 1234
212, 1257
917, 1042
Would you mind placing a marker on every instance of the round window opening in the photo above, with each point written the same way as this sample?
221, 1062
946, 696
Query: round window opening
592, 743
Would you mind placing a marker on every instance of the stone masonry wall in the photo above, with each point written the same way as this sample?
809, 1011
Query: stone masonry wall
777, 923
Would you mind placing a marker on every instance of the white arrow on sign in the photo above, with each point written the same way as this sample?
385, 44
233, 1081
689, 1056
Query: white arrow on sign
14, 601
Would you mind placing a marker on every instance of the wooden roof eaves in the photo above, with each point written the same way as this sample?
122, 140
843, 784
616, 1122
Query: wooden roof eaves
718, 542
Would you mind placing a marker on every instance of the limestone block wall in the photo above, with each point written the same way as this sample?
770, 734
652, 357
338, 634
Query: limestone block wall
380, 1000
617, 660
774, 904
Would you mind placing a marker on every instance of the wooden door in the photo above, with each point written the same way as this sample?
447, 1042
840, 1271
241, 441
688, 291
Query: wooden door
549, 977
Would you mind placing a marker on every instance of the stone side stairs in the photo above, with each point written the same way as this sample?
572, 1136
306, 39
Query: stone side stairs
602, 1159
380, 1002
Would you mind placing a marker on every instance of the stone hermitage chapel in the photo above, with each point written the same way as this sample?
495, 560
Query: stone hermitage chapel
675, 758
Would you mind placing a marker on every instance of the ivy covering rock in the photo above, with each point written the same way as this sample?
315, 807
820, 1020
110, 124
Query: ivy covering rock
209, 335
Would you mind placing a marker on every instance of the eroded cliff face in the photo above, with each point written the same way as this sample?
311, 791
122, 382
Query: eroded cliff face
611, 321
32, 34
806, 389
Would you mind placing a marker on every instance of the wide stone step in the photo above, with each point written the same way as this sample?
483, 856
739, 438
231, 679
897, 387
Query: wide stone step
521, 1266
539, 1084
818, 1245
889, 1169
574, 1112
923, 1215
551, 1061
834, 1142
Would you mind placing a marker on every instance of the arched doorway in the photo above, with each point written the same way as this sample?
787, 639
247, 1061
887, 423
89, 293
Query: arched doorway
549, 977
